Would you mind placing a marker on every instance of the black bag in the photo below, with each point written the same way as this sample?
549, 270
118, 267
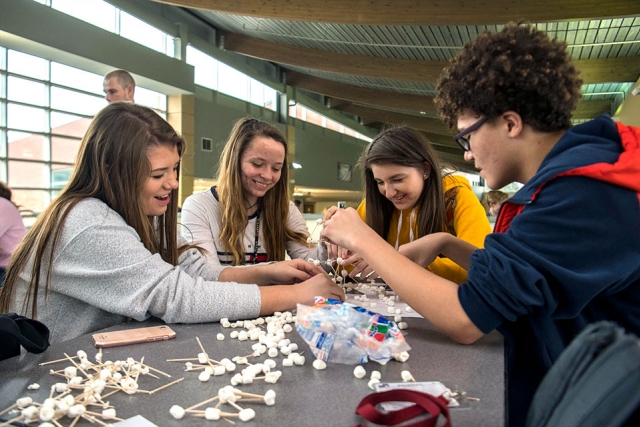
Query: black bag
16, 331
594, 382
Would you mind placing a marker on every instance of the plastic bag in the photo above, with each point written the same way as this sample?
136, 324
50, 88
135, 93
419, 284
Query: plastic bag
345, 333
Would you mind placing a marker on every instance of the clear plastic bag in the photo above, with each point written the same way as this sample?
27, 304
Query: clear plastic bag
345, 333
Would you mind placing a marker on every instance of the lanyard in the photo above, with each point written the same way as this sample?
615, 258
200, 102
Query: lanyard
256, 246
411, 218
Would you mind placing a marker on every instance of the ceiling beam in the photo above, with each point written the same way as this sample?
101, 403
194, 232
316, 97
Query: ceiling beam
591, 108
427, 124
358, 65
607, 70
419, 12
362, 95
587, 109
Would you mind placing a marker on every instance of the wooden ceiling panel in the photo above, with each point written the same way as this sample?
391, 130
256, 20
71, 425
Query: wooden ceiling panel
358, 65
419, 12
362, 95
427, 124
601, 70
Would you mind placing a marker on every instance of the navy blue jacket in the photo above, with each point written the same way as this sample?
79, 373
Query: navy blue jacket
569, 255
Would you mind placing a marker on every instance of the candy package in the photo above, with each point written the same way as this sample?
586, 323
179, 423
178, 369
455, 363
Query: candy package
346, 333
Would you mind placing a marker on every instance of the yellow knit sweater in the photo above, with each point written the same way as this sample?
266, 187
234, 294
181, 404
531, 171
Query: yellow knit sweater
469, 222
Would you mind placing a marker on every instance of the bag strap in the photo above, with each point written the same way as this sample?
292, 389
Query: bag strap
422, 403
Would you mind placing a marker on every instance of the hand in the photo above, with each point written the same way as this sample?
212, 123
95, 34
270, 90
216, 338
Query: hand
318, 286
343, 228
424, 250
333, 250
360, 266
289, 272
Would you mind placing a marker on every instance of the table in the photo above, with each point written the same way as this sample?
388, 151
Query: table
305, 396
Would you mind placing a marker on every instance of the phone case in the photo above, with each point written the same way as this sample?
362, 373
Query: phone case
133, 336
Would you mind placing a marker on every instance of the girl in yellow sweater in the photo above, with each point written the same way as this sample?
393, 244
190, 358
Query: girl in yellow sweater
406, 197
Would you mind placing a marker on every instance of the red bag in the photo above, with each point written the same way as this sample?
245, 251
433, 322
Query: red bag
423, 404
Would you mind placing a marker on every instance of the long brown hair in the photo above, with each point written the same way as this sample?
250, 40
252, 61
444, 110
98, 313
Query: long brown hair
112, 166
403, 146
274, 206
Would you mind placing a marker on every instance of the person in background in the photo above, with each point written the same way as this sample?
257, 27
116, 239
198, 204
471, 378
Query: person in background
11, 228
107, 248
248, 217
566, 246
495, 198
407, 197
119, 86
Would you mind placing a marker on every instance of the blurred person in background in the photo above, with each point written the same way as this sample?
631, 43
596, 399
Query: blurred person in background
11, 228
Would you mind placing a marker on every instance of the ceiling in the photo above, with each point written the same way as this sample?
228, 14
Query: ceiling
380, 60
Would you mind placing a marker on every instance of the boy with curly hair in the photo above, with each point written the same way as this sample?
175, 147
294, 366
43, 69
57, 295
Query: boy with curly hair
567, 248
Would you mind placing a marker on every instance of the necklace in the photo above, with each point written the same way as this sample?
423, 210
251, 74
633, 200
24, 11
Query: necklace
256, 246
257, 201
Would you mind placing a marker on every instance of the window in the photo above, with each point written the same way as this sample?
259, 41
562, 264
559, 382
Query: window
95, 12
205, 68
215, 75
45, 110
110, 18
139, 31
301, 112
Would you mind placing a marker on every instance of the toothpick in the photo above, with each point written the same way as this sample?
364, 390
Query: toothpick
188, 359
201, 403
75, 421
209, 360
235, 405
77, 366
93, 419
57, 361
166, 385
154, 369
6, 423
242, 393
106, 417
9, 408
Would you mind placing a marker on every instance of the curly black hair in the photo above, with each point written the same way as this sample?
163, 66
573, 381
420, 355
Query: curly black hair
519, 69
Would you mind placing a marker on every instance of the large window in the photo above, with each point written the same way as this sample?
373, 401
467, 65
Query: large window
45, 109
301, 112
110, 18
215, 75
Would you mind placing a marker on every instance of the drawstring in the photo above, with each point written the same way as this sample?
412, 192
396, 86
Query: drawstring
411, 221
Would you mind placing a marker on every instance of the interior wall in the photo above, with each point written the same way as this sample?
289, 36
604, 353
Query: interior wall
629, 111
318, 150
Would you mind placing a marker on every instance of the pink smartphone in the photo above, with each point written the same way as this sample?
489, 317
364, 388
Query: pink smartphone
133, 336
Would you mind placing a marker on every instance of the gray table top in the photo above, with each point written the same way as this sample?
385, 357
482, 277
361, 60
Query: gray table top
305, 396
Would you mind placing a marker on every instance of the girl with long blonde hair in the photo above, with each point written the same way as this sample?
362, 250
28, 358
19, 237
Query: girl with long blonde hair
106, 249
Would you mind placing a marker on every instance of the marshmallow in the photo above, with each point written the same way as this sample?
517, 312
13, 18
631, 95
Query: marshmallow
212, 413
220, 337
319, 364
372, 383
247, 414
359, 372
406, 376
401, 357
177, 412
270, 397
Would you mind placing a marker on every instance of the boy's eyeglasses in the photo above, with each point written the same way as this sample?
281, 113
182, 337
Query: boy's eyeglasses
463, 139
